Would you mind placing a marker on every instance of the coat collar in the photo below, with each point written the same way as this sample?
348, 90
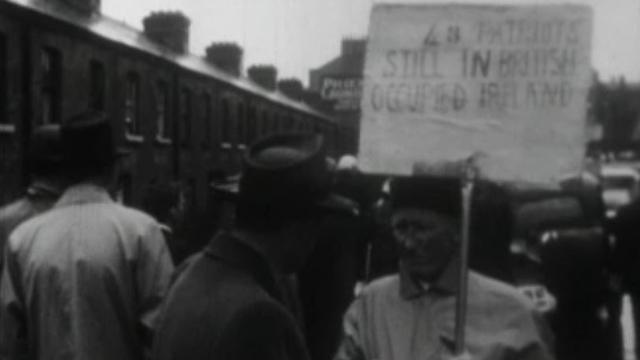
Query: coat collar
41, 188
228, 247
446, 283
83, 194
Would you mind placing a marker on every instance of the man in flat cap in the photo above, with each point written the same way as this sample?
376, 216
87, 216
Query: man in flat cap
229, 303
85, 279
411, 315
45, 163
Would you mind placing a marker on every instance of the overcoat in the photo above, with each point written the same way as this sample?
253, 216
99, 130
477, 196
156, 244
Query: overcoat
227, 304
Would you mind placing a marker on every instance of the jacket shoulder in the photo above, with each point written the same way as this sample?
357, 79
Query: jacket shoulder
135, 215
385, 286
28, 223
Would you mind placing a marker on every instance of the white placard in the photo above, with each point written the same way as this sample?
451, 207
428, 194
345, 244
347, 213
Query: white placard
510, 83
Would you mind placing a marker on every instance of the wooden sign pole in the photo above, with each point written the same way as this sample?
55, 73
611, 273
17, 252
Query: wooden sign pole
461, 299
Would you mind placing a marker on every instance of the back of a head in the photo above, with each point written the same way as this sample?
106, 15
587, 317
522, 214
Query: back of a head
45, 151
89, 148
284, 176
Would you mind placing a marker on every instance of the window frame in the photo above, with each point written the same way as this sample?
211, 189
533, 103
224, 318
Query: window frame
97, 85
225, 122
132, 124
207, 119
186, 115
163, 122
241, 122
50, 85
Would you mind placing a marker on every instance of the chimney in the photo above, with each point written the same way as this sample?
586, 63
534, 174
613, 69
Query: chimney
292, 88
353, 46
87, 7
264, 75
226, 56
168, 28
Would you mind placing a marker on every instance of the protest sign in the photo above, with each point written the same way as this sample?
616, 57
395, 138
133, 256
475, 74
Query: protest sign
506, 83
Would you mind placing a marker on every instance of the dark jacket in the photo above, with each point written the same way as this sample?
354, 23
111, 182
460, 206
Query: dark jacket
227, 305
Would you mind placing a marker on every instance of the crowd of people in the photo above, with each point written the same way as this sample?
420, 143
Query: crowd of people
313, 263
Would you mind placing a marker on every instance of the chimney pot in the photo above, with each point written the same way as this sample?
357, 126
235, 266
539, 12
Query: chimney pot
169, 28
264, 75
227, 56
292, 88
87, 7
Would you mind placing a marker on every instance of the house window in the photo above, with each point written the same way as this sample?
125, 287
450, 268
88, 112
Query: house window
97, 85
275, 125
264, 126
132, 104
242, 125
207, 111
4, 116
50, 66
163, 127
226, 121
252, 125
185, 115
288, 126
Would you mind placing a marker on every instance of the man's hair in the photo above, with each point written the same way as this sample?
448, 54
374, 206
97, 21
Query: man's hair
45, 169
45, 151
90, 172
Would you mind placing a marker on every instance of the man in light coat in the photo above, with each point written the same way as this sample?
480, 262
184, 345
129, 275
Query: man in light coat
84, 280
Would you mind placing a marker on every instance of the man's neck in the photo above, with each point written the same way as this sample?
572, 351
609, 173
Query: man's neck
261, 243
446, 281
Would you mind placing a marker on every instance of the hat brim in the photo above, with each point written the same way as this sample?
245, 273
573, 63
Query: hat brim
338, 204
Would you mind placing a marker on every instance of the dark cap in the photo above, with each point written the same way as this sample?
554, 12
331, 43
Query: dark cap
438, 194
88, 141
287, 174
45, 146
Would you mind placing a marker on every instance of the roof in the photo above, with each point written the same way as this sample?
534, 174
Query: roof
123, 34
349, 64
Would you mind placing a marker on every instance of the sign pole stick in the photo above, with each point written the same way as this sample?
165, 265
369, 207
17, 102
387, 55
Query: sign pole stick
461, 300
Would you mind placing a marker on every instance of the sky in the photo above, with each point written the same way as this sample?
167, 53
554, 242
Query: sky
299, 35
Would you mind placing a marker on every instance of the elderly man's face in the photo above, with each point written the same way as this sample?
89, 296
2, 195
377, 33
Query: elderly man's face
426, 240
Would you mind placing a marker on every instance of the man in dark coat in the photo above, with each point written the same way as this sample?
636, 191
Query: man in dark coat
229, 302
45, 157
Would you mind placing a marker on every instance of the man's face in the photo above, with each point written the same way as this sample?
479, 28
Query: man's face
426, 241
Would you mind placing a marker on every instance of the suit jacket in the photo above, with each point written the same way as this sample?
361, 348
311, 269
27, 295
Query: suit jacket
227, 304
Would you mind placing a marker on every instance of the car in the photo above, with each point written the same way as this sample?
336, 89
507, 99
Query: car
620, 186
